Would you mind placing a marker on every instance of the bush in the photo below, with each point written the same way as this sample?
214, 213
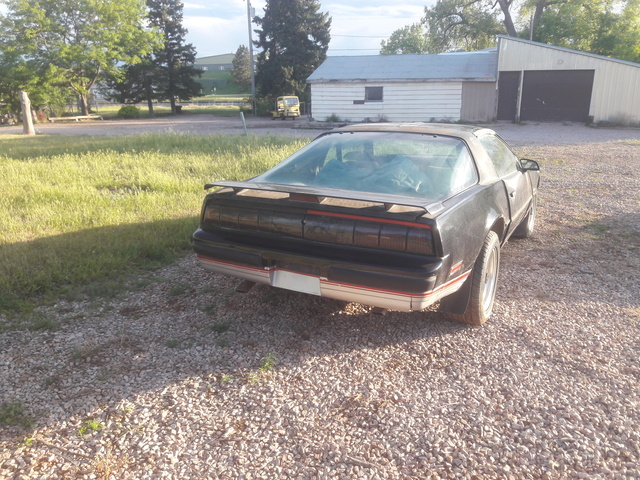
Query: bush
264, 106
333, 118
129, 111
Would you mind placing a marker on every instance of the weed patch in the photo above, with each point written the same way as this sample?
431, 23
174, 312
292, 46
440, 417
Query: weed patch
220, 327
89, 426
268, 363
14, 414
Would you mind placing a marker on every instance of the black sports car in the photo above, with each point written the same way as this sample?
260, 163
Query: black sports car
396, 216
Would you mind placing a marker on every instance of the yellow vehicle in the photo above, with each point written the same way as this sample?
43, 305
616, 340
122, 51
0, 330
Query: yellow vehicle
288, 106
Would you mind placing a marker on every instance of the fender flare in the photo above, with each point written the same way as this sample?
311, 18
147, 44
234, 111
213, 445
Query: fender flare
458, 302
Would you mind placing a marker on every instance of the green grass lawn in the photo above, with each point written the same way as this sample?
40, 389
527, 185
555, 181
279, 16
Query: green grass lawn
79, 212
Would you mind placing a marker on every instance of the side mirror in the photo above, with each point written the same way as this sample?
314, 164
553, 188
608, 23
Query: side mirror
528, 164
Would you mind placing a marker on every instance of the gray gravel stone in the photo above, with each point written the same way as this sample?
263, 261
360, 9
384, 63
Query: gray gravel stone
548, 388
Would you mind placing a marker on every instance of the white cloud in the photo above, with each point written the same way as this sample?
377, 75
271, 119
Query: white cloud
215, 36
196, 6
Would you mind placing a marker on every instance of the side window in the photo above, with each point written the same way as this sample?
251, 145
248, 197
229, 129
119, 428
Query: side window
504, 161
373, 94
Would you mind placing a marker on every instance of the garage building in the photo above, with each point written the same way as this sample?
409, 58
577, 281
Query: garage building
521, 80
539, 82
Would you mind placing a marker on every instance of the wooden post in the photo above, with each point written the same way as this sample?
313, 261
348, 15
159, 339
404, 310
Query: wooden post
27, 119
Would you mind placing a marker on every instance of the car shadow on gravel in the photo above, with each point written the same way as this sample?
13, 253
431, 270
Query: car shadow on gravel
83, 358
182, 324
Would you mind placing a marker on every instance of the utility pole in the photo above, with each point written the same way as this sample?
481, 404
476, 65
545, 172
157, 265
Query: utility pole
250, 13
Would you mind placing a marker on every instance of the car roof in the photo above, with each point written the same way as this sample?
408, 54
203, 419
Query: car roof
446, 129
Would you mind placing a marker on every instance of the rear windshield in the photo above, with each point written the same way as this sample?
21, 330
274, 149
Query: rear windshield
416, 165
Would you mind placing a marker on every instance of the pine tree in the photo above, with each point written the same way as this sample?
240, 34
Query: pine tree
136, 86
294, 39
174, 60
241, 72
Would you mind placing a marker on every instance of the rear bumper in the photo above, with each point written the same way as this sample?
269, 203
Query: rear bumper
386, 286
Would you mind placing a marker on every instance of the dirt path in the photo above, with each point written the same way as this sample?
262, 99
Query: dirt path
204, 124
200, 124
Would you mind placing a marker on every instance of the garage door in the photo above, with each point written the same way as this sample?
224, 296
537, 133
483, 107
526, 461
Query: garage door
552, 95
508, 86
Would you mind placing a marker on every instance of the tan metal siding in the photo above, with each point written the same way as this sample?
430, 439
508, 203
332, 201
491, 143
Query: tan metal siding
616, 84
402, 102
478, 102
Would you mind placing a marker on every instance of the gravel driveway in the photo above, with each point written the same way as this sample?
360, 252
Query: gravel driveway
186, 378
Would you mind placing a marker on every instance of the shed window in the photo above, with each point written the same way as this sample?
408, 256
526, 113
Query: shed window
373, 94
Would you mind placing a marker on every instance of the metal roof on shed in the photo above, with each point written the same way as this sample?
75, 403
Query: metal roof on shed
468, 66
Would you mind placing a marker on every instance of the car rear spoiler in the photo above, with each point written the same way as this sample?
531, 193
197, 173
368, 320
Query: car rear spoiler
388, 200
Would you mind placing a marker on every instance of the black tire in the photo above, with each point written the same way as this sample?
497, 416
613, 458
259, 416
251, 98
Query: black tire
484, 279
526, 226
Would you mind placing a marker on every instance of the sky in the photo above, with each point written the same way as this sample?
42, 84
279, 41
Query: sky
357, 27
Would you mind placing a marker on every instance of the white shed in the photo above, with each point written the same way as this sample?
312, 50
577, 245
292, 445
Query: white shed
437, 87
543, 82
521, 80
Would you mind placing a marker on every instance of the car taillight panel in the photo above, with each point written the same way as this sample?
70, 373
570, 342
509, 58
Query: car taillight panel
367, 234
357, 231
334, 230
393, 237
420, 240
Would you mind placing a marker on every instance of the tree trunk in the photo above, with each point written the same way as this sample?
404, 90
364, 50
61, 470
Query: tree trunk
173, 104
540, 6
84, 104
148, 90
508, 21
27, 119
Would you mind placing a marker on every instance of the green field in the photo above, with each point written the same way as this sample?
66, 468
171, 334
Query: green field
80, 213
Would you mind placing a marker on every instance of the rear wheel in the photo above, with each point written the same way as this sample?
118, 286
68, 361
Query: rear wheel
525, 229
484, 279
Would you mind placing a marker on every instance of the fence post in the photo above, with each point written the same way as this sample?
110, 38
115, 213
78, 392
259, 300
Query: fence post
244, 123
27, 119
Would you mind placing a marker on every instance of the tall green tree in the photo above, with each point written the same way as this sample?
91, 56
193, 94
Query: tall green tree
76, 41
409, 39
44, 92
628, 46
462, 25
15, 75
606, 27
294, 37
241, 72
136, 85
174, 59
